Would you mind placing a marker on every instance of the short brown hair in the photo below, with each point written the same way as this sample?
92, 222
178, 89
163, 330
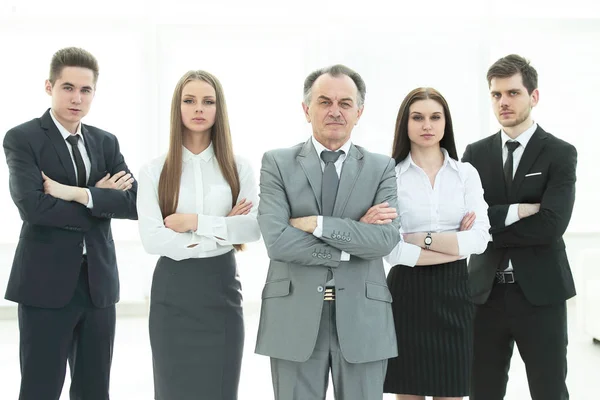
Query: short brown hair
72, 57
511, 65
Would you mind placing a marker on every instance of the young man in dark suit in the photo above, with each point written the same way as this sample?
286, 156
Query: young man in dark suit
522, 281
68, 181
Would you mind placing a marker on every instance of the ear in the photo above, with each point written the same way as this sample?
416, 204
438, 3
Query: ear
535, 97
306, 115
48, 87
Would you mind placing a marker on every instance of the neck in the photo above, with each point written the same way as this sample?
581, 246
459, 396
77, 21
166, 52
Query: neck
196, 142
333, 145
427, 158
515, 131
69, 126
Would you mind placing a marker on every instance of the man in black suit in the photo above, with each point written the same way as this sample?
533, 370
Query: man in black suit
522, 281
68, 181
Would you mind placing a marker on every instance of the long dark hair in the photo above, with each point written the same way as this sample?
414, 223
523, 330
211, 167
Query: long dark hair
401, 146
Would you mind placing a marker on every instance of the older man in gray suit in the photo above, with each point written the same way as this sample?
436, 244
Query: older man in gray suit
327, 215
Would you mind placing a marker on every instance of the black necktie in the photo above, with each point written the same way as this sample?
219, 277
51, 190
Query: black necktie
73, 139
330, 180
511, 145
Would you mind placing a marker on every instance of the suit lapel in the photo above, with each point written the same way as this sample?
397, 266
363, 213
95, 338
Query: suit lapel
311, 165
498, 164
531, 153
92, 149
350, 171
60, 146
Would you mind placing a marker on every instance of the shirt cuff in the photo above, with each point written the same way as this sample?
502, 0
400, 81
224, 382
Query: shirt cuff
410, 254
512, 215
318, 232
211, 226
344, 256
90, 203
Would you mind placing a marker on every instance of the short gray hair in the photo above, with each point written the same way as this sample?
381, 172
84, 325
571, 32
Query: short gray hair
335, 71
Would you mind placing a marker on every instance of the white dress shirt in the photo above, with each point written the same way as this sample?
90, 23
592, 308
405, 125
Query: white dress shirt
512, 215
86, 159
203, 191
318, 232
456, 191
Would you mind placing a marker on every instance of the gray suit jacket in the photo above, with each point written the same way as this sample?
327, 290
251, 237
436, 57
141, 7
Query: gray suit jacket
292, 299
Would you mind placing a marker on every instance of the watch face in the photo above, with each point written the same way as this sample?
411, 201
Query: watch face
428, 240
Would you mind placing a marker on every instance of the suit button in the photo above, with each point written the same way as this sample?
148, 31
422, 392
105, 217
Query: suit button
320, 289
333, 235
314, 254
328, 255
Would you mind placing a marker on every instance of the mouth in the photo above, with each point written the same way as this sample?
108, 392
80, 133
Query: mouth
428, 135
74, 109
505, 113
198, 119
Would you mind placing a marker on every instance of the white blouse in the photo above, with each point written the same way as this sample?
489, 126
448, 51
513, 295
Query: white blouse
456, 191
203, 191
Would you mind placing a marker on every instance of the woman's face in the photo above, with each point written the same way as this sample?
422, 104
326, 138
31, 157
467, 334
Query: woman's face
198, 106
426, 123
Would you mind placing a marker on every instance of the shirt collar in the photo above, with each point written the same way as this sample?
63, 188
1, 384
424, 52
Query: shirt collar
205, 155
320, 148
523, 138
63, 131
408, 161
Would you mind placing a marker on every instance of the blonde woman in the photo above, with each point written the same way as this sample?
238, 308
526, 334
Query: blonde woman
195, 206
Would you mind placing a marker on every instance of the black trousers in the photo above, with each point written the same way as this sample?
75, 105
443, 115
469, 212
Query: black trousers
80, 333
540, 333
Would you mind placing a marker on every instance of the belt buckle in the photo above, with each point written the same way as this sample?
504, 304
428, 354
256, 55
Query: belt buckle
505, 277
329, 294
509, 277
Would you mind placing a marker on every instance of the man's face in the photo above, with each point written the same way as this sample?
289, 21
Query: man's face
333, 110
72, 95
511, 102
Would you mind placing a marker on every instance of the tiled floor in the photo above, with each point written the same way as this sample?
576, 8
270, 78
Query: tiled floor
132, 372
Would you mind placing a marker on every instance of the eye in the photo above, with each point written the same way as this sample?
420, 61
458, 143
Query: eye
86, 90
209, 102
188, 101
346, 105
496, 95
417, 117
68, 88
436, 117
513, 93
325, 102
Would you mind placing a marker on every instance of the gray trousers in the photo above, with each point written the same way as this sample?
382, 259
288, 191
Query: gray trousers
308, 380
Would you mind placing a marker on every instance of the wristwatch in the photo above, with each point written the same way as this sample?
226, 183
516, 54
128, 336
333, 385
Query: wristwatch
428, 240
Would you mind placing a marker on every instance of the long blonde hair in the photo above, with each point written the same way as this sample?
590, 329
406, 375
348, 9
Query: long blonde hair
170, 177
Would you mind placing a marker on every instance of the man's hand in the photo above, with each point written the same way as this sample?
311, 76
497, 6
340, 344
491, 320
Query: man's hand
182, 222
119, 181
379, 214
306, 224
64, 192
467, 221
527, 210
243, 207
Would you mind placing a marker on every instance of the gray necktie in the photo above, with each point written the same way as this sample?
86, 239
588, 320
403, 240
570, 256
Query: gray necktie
330, 180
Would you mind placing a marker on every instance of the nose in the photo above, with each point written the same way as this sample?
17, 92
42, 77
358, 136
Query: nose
503, 101
199, 109
76, 99
427, 124
334, 111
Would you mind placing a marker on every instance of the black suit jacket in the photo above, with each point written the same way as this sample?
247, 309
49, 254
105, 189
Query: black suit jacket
534, 244
48, 256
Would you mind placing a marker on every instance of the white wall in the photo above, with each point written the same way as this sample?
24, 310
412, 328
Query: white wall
262, 51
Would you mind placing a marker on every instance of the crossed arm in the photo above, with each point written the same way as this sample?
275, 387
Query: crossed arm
291, 239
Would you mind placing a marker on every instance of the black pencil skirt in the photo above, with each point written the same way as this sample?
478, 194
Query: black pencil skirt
433, 315
196, 328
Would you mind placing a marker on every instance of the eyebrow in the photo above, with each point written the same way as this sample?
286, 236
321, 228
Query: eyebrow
69, 84
350, 99
507, 90
205, 97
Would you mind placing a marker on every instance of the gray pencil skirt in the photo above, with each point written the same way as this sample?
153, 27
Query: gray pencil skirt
196, 328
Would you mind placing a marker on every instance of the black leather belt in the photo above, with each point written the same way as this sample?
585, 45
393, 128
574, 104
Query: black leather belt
329, 294
505, 277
